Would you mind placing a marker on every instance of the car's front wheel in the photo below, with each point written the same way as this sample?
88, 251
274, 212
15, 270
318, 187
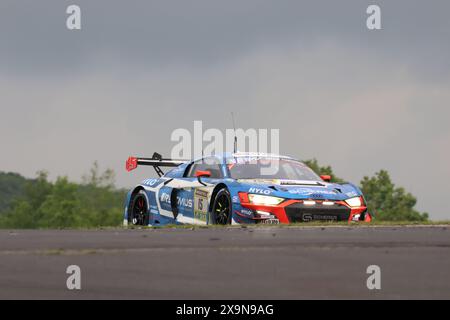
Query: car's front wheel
221, 209
138, 214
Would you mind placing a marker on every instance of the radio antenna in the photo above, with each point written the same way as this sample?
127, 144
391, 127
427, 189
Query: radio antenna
235, 138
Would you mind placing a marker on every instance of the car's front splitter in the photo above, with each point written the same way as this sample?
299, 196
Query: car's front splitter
291, 211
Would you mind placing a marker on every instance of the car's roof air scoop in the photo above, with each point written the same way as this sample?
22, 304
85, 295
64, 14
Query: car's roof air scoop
300, 183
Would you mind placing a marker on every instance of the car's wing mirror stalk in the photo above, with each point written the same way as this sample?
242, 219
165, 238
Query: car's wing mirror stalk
200, 174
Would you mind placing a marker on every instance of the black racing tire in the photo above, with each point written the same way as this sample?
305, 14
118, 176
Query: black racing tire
222, 208
138, 214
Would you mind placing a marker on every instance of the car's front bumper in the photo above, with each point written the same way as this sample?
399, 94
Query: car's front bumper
292, 211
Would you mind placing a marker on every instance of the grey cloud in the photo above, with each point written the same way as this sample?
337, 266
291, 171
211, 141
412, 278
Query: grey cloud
202, 32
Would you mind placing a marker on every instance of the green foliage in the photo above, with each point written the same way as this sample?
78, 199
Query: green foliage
388, 202
64, 204
12, 185
322, 170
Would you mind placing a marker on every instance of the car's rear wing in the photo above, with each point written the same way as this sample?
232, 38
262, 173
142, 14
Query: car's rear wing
156, 161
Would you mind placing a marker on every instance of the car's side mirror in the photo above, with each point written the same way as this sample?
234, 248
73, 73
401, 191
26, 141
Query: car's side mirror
202, 174
326, 177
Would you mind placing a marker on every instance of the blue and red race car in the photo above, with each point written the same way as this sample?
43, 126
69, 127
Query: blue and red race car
237, 188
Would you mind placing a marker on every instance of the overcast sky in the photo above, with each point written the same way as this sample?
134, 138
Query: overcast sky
355, 99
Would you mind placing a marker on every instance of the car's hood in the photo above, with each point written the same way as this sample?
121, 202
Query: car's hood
299, 189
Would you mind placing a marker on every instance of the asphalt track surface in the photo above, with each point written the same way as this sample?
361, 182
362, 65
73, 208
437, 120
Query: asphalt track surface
227, 263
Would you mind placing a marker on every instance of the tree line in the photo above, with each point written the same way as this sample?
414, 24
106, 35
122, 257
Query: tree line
96, 202
41, 203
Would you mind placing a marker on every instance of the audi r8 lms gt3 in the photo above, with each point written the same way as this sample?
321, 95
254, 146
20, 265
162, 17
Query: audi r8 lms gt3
235, 188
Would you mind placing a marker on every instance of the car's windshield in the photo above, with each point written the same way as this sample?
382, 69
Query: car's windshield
270, 168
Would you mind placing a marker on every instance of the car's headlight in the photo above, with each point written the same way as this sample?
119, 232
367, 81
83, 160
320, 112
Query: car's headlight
264, 200
354, 202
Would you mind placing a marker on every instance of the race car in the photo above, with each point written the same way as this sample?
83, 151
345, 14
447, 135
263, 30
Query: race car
239, 188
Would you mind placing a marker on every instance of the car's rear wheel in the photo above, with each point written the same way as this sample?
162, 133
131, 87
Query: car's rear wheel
138, 214
221, 209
